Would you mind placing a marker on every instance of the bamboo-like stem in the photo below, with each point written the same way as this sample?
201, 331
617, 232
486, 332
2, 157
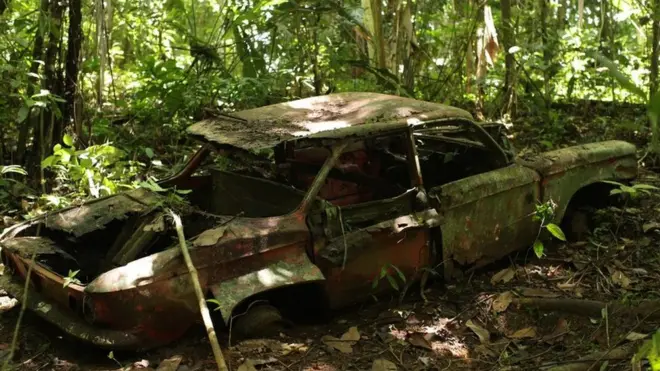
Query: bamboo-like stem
203, 308
14, 340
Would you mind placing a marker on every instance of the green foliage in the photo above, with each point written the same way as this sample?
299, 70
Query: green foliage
650, 350
545, 212
391, 273
95, 171
71, 278
11, 189
633, 191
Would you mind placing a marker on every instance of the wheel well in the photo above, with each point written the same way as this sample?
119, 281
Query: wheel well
301, 302
595, 195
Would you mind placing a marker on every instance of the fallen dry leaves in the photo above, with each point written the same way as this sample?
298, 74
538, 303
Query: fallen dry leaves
418, 339
345, 343
383, 365
504, 276
560, 330
525, 333
621, 279
482, 333
502, 301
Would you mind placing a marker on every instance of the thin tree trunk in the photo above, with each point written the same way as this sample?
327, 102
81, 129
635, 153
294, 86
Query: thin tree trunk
407, 39
72, 67
547, 53
318, 82
100, 50
53, 81
379, 38
37, 55
508, 40
655, 46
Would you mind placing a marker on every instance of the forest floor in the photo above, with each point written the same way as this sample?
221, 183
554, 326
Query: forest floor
483, 322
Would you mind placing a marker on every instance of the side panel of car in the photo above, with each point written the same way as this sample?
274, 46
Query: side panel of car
565, 171
373, 259
487, 216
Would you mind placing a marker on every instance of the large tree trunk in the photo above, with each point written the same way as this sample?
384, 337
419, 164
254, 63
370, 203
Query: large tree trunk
373, 21
72, 66
508, 40
37, 55
655, 46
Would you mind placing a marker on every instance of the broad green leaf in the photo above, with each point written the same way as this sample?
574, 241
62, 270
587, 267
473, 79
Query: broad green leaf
392, 282
556, 231
67, 140
22, 114
538, 248
149, 152
398, 271
14, 169
645, 186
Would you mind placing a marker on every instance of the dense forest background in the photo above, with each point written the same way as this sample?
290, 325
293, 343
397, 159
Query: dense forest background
98, 93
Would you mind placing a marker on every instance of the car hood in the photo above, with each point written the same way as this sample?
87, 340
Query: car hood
92, 215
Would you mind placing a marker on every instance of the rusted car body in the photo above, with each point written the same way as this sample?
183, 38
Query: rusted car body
328, 190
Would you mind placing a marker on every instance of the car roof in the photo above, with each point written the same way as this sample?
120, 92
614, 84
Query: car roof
332, 116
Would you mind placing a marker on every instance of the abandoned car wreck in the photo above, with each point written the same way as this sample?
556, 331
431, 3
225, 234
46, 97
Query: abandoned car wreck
323, 191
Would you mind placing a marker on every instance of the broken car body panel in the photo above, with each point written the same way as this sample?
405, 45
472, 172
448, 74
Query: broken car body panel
488, 215
360, 186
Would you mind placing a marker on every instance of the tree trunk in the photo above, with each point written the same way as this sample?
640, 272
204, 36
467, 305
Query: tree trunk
547, 52
508, 40
318, 81
53, 79
655, 46
37, 55
377, 32
72, 66
100, 50
407, 39
4, 4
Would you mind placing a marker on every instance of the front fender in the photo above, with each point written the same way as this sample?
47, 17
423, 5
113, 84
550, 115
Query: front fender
295, 268
567, 170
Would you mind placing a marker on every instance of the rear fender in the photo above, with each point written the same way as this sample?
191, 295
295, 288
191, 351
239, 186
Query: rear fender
567, 170
296, 268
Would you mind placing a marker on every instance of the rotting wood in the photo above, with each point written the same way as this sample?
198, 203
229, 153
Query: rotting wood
587, 362
649, 309
203, 308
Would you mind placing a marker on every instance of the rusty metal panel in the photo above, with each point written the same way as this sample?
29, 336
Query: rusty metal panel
488, 215
292, 269
408, 250
332, 114
565, 171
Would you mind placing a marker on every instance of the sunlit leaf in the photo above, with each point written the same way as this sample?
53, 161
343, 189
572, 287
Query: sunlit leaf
538, 248
556, 231
67, 140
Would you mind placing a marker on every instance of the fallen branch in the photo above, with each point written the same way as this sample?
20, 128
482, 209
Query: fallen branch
206, 315
592, 308
14, 340
623, 352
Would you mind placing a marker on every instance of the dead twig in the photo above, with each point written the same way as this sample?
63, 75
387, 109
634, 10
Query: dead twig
203, 308
26, 287
593, 308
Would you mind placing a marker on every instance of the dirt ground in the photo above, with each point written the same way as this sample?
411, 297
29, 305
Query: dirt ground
486, 321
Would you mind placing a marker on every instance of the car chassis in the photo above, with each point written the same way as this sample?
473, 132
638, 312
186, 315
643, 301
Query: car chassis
378, 200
